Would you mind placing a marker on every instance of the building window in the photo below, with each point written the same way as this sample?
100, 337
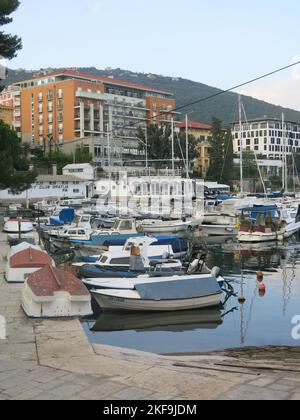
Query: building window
60, 93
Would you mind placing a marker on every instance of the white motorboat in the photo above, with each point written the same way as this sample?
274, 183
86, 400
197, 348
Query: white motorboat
151, 249
15, 225
131, 283
291, 220
159, 226
268, 223
218, 230
165, 296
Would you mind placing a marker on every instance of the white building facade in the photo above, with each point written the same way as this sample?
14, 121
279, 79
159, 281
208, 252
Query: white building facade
269, 139
50, 187
84, 171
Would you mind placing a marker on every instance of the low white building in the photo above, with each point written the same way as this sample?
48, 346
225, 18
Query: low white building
84, 171
51, 187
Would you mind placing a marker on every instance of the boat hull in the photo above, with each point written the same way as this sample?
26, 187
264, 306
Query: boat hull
219, 230
15, 227
260, 237
110, 302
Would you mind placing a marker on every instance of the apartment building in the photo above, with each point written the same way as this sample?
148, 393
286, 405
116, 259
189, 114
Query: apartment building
269, 139
69, 108
6, 114
202, 132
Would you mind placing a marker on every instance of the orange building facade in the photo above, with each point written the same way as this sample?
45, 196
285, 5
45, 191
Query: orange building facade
67, 106
60, 111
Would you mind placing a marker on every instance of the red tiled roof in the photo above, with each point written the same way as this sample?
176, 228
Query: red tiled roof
73, 73
50, 280
30, 258
194, 125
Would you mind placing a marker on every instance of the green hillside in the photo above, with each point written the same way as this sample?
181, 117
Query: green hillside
224, 107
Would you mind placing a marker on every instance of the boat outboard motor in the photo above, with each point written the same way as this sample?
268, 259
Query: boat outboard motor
216, 272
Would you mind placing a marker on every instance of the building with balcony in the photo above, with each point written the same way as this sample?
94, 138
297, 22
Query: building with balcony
6, 114
202, 133
269, 138
68, 107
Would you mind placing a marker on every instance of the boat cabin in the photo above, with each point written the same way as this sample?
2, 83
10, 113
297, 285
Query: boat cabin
260, 219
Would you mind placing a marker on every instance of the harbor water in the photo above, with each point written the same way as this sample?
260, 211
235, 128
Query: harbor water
265, 319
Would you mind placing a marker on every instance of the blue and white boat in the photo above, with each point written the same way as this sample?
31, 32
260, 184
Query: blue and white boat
138, 256
158, 247
122, 230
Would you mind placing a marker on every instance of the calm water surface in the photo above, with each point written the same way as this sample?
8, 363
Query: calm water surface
262, 320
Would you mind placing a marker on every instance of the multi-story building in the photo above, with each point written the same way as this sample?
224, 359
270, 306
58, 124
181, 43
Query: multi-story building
269, 139
202, 132
68, 108
6, 114
10, 101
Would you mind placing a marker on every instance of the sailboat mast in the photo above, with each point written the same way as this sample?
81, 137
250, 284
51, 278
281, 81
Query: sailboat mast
241, 146
284, 156
187, 145
286, 160
173, 149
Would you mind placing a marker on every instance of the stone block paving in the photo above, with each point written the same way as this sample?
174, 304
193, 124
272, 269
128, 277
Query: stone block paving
53, 360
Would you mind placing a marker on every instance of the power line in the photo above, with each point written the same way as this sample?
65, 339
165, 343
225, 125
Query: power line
222, 92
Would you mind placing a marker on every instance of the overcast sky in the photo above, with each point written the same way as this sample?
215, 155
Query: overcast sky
217, 42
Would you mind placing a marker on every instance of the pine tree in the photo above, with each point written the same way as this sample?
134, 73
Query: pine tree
216, 152
229, 172
9, 44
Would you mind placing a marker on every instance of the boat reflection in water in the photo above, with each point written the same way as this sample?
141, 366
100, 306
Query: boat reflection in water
171, 322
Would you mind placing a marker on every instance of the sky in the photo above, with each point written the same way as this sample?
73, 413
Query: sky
216, 42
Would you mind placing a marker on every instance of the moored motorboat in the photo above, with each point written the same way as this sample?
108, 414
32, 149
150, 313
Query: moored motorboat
18, 225
167, 296
160, 227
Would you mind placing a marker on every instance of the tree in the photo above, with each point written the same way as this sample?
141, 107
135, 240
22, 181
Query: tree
216, 152
228, 173
180, 147
14, 164
83, 155
158, 142
250, 169
9, 44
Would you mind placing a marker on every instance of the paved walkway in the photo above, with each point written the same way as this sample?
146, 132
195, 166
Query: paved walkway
49, 360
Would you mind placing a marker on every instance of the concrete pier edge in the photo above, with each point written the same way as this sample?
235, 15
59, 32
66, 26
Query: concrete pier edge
53, 360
